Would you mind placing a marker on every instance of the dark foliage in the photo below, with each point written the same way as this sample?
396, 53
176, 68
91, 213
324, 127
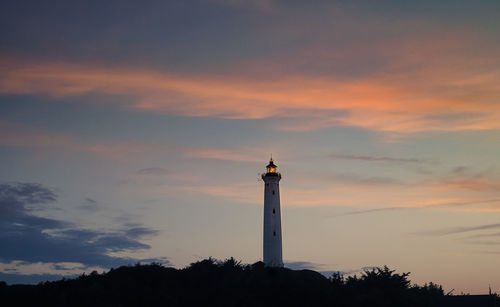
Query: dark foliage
382, 287
228, 283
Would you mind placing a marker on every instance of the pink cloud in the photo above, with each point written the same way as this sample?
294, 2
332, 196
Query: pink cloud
426, 99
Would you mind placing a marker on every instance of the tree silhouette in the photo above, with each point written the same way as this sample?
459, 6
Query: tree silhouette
211, 282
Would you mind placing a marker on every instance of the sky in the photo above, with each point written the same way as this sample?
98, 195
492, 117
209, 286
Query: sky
136, 131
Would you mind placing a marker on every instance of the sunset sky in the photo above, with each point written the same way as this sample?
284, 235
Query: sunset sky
135, 131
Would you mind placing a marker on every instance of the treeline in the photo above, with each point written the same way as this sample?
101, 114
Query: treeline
224, 283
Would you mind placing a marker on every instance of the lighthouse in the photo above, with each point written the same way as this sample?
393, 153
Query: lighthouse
272, 217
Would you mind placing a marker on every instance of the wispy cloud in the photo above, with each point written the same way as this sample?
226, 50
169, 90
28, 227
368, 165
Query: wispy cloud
243, 193
90, 200
490, 252
260, 5
16, 135
242, 154
155, 171
354, 179
458, 230
89, 204
374, 103
480, 205
361, 180
375, 158
473, 203
487, 235
464, 178
369, 211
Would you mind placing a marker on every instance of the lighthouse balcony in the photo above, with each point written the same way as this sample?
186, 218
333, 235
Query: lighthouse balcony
271, 175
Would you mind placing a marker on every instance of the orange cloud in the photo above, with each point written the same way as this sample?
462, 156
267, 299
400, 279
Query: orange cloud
298, 102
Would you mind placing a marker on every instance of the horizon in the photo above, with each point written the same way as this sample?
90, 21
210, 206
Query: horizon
136, 132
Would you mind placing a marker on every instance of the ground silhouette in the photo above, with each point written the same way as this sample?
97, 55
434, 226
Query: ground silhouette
224, 283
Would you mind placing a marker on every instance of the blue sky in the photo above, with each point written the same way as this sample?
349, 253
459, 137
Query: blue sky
135, 132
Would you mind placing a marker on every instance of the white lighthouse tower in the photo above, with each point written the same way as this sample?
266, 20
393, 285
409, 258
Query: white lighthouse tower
272, 217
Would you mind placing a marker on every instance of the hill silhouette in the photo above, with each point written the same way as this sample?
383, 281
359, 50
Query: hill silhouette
224, 283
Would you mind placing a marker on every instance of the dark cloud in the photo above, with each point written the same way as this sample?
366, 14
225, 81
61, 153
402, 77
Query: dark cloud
18, 201
157, 171
139, 232
14, 276
33, 238
31, 278
117, 25
163, 260
375, 159
19, 197
90, 200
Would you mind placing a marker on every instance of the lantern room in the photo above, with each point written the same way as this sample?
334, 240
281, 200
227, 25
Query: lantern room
271, 167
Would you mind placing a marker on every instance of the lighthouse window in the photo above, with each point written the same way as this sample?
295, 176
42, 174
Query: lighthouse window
274, 233
274, 211
273, 192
